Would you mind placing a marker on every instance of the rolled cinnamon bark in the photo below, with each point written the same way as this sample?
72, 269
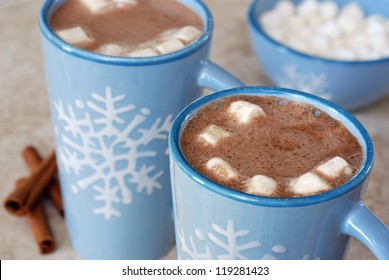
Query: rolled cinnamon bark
33, 160
40, 179
40, 227
15, 202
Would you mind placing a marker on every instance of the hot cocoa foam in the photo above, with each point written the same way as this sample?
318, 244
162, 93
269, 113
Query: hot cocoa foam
133, 26
291, 140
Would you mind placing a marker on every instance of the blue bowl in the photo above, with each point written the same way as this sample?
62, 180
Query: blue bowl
350, 84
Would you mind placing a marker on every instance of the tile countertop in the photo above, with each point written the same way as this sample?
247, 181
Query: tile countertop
25, 118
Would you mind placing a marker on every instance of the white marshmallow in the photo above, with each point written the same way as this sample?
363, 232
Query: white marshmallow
284, 8
261, 185
328, 10
320, 43
213, 133
334, 167
295, 23
147, 52
308, 183
169, 46
330, 29
297, 44
75, 36
347, 24
307, 8
122, 3
375, 24
187, 34
221, 168
353, 10
95, 5
276, 34
344, 54
379, 42
270, 19
110, 49
245, 111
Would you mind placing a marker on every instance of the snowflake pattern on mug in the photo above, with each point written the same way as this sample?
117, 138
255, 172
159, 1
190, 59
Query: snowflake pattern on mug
312, 83
103, 152
199, 246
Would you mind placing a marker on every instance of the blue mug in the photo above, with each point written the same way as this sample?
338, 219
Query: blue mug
111, 118
215, 222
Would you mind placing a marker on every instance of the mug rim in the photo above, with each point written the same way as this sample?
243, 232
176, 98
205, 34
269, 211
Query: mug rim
126, 61
252, 19
179, 159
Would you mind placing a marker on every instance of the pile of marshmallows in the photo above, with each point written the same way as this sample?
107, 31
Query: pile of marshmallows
312, 182
323, 29
169, 41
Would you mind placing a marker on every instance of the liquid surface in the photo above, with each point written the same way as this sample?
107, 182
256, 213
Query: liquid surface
127, 26
291, 140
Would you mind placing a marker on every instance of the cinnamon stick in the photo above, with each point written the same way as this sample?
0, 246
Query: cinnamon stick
33, 160
39, 179
15, 202
37, 218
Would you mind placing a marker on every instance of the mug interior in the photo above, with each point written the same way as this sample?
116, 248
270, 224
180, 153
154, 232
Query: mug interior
348, 120
195, 5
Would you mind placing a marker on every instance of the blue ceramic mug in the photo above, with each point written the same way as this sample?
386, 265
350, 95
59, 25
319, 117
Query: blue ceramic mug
111, 117
215, 222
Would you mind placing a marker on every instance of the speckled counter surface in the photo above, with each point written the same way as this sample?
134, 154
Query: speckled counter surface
25, 119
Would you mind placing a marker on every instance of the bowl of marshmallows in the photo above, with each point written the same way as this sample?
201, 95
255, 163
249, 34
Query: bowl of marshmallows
338, 50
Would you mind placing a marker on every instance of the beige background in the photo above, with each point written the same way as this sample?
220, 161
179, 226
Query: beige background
24, 116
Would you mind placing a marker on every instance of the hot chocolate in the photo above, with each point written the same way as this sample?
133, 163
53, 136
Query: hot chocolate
127, 27
270, 146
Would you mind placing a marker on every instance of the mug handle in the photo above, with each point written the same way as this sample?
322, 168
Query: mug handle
364, 226
216, 78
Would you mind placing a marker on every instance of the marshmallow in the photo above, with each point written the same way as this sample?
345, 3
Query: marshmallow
353, 10
344, 54
147, 52
245, 111
347, 24
122, 3
270, 19
276, 33
284, 8
74, 36
212, 134
169, 46
307, 8
95, 6
187, 34
334, 168
375, 24
308, 183
320, 43
261, 185
328, 10
297, 44
330, 29
221, 168
110, 49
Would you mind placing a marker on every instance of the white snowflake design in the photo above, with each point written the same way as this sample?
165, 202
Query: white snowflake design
226, 239
308, 82
103, 152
